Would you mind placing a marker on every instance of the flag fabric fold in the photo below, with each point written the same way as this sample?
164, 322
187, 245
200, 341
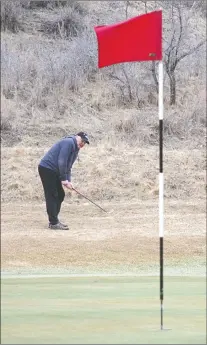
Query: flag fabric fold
136, 39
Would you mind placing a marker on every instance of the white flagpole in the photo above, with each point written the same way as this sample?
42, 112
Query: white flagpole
161, 188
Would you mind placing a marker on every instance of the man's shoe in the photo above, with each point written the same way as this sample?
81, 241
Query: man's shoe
58, 226
63, 224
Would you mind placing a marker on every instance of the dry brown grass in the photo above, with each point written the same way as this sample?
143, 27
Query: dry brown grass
52, 87
124, 240
109, 172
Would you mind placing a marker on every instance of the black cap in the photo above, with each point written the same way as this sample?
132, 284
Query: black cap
83, 136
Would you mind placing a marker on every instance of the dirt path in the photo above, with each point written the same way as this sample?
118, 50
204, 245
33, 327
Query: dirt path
124, 240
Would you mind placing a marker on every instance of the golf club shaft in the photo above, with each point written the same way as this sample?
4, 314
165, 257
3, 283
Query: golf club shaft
88, 199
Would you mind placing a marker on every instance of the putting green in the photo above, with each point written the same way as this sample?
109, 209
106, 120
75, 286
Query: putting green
102, 310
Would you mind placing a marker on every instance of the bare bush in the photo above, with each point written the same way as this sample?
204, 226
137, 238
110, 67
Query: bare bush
39, 4
177, 47
180, 126
65, 24
6, 124
46, 79
38, 69
9, 131
134, 84
198, 5
42, 4
179, 31
48, 4
13, 70
11, 14
137, 127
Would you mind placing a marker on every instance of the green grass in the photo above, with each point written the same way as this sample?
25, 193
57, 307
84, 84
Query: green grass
97, 310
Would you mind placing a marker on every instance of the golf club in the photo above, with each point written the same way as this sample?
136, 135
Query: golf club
88, 199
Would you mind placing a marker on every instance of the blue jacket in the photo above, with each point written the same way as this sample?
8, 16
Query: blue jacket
61, 157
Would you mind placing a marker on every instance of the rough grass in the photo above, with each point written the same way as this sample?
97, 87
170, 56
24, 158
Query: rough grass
11, 15
51, 86
109, 171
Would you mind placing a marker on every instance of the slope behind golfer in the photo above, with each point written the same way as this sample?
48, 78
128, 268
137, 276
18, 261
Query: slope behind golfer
55, 172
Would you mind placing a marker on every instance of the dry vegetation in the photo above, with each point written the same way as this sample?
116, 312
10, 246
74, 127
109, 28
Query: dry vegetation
109, 173
51, 86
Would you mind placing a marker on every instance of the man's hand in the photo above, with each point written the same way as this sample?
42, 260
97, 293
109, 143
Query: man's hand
67, 184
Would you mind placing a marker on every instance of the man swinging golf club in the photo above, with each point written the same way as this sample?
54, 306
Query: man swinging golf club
55, 173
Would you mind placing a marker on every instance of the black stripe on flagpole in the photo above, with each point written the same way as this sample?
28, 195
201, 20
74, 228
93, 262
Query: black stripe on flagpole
161, 280
161, 144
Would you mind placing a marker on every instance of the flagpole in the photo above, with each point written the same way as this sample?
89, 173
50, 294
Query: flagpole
114, 46
161, 189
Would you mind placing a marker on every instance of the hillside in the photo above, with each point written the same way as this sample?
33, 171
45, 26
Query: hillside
51, 86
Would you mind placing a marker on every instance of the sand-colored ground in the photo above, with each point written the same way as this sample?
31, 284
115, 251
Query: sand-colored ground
124, 240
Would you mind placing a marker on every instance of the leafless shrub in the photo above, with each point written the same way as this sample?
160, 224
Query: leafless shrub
11, 14
178, 46
137, 127
185, 125
44, 75
65, 24
198, 5
6, 124
76, 5
180, 126
134, 84
11, 71
36, 4
128, 126
179, 32
48, 4
40, 4
9, 133
38, 69
69, 65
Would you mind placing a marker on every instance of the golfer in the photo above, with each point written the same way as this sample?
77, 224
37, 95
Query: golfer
55, 173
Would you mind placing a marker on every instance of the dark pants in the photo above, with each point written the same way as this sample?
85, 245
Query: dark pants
54, 193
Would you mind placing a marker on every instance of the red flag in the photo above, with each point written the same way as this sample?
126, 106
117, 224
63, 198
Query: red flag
136, 39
